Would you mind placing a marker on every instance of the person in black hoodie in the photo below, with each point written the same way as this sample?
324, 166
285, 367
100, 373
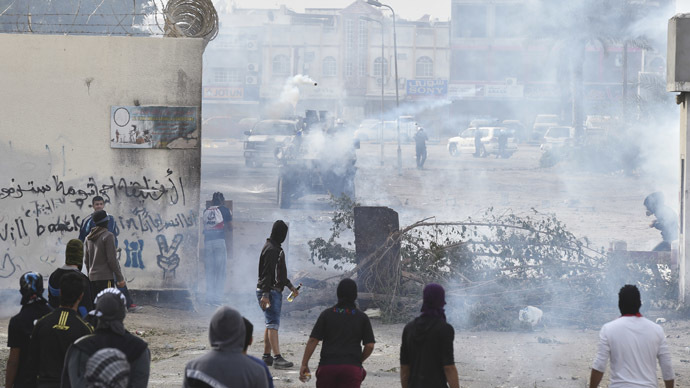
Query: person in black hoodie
426, 352
269, 291
343, 329
74, 260
110, 333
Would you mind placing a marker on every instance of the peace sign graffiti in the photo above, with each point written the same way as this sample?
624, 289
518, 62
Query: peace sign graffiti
168, 259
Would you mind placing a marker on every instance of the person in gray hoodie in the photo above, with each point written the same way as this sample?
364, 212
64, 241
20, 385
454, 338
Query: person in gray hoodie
100, 257
225, 365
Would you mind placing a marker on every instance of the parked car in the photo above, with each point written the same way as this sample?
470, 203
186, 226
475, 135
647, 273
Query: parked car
541, 123
464, 143
557, 137
265, 138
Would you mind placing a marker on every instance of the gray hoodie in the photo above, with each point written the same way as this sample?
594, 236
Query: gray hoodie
225, 365
100, 256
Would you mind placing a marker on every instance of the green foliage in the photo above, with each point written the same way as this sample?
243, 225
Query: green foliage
332, 251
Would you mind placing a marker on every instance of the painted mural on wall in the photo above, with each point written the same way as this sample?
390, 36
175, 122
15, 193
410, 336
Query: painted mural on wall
155, 223
153, 127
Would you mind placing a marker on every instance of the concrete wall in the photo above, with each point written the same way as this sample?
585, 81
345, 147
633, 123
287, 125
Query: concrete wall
55, 153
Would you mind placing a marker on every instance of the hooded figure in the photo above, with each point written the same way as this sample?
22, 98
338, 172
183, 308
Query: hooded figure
107, 368
225, 365
100, 256
426, 352
666, 220
110, 332
74, 259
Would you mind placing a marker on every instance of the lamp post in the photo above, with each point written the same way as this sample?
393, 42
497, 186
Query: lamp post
381, 67
376, 3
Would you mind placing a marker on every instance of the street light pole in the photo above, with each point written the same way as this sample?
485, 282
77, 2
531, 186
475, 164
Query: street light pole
376, 3
381, 69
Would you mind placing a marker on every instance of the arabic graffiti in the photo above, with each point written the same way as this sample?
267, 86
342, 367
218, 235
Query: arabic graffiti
168, 259
145, 221
134, 251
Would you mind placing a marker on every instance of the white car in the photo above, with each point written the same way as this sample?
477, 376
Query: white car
542, 123
557, 137
265, 138
490, 139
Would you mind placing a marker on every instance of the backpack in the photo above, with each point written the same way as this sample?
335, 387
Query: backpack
213, 219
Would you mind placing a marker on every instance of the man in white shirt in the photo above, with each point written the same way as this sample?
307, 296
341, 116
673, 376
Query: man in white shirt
634, 344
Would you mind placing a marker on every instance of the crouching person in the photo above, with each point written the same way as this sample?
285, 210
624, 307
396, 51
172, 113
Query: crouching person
225, 365
343, 329
110, 333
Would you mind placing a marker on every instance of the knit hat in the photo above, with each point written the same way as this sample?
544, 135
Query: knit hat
107, 368
74, 253
100, 218
31, 287
111, 310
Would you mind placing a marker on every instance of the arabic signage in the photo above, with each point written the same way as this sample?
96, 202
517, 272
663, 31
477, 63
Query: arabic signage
153, 127
427, 87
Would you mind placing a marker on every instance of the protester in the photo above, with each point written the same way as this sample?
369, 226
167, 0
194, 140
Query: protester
225, 365
420, 139
110, 332
107, 368
100, 257
74, 260
634, 344
248, 339
426, 352
98, 204
666, 220
269, 291
479, 149
34, 306
343, 329
55, 332
216, 218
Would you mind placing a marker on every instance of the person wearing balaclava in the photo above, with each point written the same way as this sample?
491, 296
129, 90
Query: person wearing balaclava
426, 352
666, 220
343, 328
225, 365
74, 259
110, 332
269, 291
34, 306
100, 256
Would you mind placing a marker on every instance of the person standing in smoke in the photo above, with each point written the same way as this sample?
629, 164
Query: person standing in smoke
666, 220
216, 219
34, 306
343, 329
269, 291
426, 352
479, 150
420, 139
634, 344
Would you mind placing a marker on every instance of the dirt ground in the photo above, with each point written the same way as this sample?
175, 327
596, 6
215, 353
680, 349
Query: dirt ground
548, 357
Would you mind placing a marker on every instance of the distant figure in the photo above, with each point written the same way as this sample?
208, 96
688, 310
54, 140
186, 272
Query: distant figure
216, 219
117, 136
74, 260
420, 139
18, 373
110, 332
634, 344
57, 331
348, 340
248, 339
502, 143
107, 368
426, 352
479, 150
666, 220
225, 365
100, 256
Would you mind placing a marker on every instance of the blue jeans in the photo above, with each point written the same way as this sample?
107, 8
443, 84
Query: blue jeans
215, 256
272, 313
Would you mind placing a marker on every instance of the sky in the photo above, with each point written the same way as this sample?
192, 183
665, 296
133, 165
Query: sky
406, 9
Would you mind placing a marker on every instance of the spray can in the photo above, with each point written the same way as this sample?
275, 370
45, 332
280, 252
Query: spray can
292, 295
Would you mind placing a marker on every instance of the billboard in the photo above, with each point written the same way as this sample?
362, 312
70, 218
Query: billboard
154, 127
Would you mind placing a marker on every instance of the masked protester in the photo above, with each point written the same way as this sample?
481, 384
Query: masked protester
107, 368
34, 306
110, 332
225, 365
74, 260
343, 329
426, 353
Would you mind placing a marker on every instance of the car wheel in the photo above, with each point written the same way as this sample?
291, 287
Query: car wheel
283, 194
453, 150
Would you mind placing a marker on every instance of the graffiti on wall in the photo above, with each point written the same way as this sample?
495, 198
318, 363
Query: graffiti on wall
168, 259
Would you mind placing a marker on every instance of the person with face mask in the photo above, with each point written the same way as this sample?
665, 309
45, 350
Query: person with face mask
269, 291
74, 260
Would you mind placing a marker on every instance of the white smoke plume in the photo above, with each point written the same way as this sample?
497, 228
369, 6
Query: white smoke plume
291, 92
